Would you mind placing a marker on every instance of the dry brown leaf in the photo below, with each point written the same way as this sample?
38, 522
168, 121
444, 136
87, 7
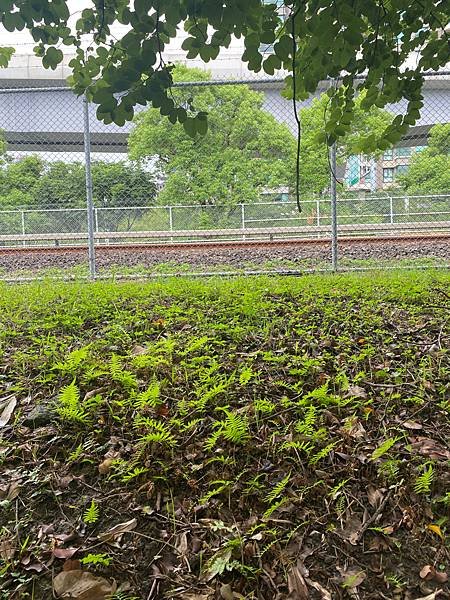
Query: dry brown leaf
81, 585
353, 428
355, 391
13, 491
375, 496
431, 596
412, 425
73, 564
429, 573
138, 350
7, 406
352, 578
105, 466
298, 590
64, 552
197, 596
118, 530
226, 592
324, 592
93, 393
36, 566
182, 545
351, 531
7, 549
430, 448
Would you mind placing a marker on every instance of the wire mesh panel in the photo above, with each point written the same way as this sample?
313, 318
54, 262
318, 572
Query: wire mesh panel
405, 189
223, 201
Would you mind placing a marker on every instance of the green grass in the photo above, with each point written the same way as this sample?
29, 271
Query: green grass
175, 268
241, 423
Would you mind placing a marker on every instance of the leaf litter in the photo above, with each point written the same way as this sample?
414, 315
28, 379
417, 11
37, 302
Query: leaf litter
226, 441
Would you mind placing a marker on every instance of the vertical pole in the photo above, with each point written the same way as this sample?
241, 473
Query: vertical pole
171, 221
89, 198
334, 227
391, 210
24, 243
243, 219
96, 219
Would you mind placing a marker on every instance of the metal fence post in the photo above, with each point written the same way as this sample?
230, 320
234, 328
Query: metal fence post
24, 243
334, 227
243, 220
89, 197
96, 219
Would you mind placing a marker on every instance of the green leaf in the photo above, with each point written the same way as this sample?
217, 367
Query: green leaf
5, 56
52, 58
202, 125
190, 126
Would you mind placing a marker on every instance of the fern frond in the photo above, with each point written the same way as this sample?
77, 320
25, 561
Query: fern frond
383, 448
423, 482
235, 428
73, 361
92, 514
212, 440
132, 474
300, 446
334, 492
158, 437
120, 375
220, 487
263, 406
306, 427
96, 559
273, 507
157, 432
69, 407
322, 453
278, 489
150, 398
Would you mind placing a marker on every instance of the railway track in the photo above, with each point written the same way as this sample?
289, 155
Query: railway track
226, 257
217, 244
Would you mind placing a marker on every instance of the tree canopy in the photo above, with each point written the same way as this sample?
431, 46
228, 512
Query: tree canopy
429, 170
315, 171
342, 40
35, 183
244, 151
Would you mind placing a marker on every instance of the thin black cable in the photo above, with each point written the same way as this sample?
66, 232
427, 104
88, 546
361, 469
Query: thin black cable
296, 115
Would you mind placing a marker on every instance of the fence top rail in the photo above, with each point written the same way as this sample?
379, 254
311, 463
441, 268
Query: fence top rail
278, 203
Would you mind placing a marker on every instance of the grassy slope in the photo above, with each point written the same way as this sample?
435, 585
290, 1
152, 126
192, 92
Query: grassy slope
251, 427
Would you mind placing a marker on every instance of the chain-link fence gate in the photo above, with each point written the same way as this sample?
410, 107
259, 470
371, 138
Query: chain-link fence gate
162, 203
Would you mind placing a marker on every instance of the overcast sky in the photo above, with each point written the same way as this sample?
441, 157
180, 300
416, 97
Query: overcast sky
23, 41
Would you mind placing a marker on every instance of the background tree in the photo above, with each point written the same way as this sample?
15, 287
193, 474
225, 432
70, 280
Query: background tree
244, 151
315, 169
340, 40
33, 183
19, 181
429, 170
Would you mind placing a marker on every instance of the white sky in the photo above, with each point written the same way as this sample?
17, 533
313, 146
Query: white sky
23, 41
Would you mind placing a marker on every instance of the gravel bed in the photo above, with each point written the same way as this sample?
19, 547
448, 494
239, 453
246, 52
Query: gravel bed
204, 258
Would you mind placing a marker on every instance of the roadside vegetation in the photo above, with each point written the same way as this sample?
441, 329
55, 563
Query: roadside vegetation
259, 438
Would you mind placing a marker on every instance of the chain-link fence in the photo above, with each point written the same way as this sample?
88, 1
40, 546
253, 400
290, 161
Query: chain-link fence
162, 203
